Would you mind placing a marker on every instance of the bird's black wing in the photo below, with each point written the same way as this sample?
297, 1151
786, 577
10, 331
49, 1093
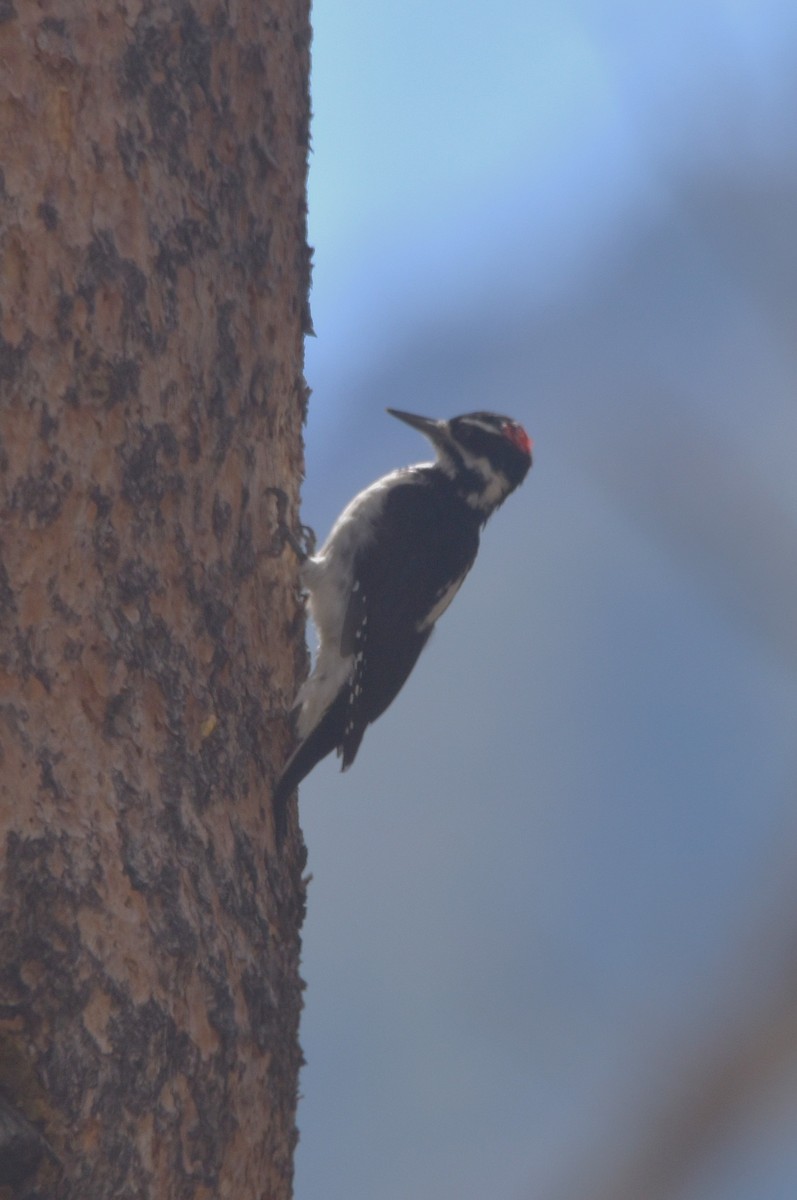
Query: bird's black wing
434, 538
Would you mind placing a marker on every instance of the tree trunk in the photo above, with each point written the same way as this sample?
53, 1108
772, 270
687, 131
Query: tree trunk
154, 298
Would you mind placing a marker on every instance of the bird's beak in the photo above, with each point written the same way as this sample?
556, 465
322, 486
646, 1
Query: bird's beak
434, 430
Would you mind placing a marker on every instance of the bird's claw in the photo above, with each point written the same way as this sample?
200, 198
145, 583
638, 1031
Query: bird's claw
303, 545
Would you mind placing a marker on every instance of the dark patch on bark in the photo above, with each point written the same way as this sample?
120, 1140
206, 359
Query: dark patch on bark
224, 422
259, 392
244, 557
178, 246
136, 580
145, 479
228, 364
24, 658
131, 148
48, 424
104, 539
49, 215
261, 1008
146, 53
159, 881
109, 381
147, 1048
53, 25
116, 720
21, 1146
101, 501
73, 650
123, 380
63, 317
215, 614
40, 495
266, 163
104, 266
47, 769
195, 53
221, 1005
59, 606
258, 255
147, 644
169, 124
12, 357
8, 603
71, 1063
221, 518
238, 890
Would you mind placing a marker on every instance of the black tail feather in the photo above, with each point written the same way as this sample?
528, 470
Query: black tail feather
325, 738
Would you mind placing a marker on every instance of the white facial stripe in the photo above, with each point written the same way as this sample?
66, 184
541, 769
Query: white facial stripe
495, 485
487, 426
476, 462
495, 489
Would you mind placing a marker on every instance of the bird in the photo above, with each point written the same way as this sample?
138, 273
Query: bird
393, 562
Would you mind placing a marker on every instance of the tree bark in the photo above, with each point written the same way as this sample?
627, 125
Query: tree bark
154, 300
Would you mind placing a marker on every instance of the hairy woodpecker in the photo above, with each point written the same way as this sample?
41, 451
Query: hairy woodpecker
395, 559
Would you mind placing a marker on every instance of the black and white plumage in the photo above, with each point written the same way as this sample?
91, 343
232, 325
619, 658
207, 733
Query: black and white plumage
391, 566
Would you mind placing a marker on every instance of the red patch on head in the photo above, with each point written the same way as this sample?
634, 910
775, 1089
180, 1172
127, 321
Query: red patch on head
518, 437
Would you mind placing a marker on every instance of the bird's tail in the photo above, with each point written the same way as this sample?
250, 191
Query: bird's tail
320, 742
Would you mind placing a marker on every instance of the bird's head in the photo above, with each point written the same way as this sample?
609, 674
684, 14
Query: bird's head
485, 455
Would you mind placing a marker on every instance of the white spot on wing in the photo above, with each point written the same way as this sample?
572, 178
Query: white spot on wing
441, 604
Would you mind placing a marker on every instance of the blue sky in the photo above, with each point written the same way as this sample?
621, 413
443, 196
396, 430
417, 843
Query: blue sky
433, 125
560, 867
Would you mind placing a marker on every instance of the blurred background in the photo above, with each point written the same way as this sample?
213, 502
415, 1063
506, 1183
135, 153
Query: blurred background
551, 947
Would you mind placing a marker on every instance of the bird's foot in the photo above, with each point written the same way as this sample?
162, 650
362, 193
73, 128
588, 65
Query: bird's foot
302, 545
